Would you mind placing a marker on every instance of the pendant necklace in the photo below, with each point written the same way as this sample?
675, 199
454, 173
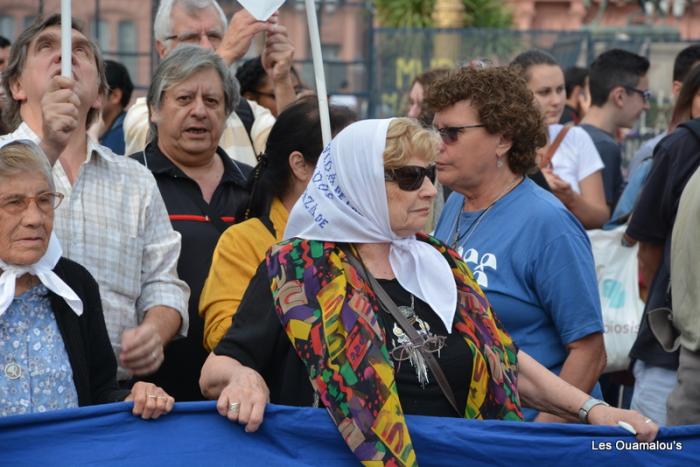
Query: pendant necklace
457, 239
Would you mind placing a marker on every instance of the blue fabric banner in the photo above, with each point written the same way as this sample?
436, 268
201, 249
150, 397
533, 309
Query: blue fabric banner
194, 434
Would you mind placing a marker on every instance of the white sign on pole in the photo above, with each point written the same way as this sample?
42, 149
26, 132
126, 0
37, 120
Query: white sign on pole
261, 9
66, 48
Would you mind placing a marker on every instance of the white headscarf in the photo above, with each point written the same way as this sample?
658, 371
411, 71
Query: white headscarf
346, 202
43, 270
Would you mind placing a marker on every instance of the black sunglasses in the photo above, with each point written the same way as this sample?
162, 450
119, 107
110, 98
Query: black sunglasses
646, 95
410, 177
450, 134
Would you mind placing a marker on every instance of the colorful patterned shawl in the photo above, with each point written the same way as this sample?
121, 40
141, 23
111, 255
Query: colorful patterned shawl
329, 313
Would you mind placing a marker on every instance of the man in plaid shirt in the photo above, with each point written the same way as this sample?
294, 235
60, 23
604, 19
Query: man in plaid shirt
113, 220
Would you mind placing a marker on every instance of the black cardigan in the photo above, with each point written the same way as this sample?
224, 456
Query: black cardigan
85, 338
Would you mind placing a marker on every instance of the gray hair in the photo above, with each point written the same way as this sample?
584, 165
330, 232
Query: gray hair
18, 57
24, 156
162, 27
178, 66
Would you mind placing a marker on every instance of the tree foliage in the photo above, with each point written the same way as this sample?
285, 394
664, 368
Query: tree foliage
418, 13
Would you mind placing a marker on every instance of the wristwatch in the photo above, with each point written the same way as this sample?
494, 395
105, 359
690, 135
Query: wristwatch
587, 406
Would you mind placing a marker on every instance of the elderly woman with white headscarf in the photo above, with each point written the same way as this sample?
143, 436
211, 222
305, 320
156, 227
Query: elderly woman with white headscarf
54, 348
359, 312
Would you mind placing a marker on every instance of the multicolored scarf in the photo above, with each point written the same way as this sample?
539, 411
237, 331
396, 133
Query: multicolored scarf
330, 315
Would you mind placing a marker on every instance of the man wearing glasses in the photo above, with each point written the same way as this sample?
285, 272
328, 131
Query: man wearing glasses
619, 89
203, 23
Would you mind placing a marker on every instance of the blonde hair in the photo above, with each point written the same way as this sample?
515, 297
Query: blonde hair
24, 156
405, 139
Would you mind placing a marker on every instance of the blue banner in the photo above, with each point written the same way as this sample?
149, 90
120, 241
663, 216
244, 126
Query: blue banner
194, 434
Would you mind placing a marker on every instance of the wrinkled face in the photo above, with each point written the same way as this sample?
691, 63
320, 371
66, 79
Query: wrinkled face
634, 103
44, 62
547, 84
468, 161
415, 99
191, 118
201, 27
24, 237
409, 210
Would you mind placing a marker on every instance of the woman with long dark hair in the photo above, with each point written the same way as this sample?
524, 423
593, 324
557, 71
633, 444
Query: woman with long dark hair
279, 179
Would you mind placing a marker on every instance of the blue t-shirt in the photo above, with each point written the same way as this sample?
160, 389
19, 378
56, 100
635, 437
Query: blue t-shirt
114, 137
533, 260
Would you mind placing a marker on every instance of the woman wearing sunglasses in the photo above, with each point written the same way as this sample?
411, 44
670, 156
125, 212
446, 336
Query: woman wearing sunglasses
54, 348
570, 161
359, 313
529, 254
279, 179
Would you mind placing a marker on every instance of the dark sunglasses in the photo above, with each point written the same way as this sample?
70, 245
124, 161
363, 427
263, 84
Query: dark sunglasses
646, 95
410, 177
450, 134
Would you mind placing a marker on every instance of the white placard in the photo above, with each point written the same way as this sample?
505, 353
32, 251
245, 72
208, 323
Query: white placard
66, 30
261, 9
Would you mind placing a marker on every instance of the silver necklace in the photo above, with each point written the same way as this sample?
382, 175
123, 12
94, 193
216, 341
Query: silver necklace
462, 239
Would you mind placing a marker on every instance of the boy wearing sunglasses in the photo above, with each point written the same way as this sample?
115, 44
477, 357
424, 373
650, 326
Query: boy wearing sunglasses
619, 89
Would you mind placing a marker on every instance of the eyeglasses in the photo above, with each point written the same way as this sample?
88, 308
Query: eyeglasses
450, 134
410, 177
17, 204
214, 37
646, 95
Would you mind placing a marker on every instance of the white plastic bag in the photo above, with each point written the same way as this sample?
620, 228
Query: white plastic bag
618, 288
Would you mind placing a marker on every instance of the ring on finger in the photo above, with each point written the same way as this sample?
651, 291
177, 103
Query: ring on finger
233, 407
151, 396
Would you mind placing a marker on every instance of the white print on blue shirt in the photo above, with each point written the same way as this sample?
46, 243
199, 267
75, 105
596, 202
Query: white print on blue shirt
479, 265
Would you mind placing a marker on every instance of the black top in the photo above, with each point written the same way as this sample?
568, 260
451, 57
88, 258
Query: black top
191, 216
676, 158
611, 155
85, 338
257, 340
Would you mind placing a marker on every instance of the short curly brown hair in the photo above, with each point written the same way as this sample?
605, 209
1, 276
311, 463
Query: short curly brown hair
505, 106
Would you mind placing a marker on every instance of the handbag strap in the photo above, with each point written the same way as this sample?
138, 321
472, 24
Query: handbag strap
552, 148
416, 339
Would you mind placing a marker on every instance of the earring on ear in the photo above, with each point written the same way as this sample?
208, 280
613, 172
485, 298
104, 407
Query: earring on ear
499, 161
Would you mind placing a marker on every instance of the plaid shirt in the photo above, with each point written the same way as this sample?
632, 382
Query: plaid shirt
113, 221
234, 140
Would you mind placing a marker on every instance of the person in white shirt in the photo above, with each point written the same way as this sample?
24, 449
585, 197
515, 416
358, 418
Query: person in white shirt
570, 162
113, 220
202, 22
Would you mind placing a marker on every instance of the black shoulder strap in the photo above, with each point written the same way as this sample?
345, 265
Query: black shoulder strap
245, 113
211, 216
267, 222
693, 126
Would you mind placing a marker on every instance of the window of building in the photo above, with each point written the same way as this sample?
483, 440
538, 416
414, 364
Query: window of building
7, 27
127, 44
101, 32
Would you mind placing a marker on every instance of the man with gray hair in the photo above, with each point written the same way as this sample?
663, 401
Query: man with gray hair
203, 23
190, 96
113, 220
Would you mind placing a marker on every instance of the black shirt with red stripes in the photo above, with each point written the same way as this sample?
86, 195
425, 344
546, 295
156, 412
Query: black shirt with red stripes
192, 217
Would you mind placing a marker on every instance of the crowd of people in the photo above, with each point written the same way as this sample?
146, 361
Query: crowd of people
202, 243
